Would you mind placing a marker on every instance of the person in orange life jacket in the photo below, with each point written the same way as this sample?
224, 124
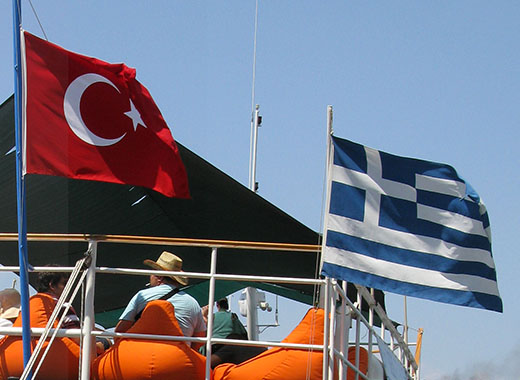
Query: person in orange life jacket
187, 310
53, 284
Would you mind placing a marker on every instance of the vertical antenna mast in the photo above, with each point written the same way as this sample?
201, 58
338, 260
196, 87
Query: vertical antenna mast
252, 312
254, 117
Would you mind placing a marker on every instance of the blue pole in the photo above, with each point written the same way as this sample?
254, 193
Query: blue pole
20, 185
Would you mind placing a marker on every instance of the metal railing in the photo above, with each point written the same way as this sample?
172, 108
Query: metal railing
336, 328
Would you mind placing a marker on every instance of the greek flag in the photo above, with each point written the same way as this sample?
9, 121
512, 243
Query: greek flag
408, 226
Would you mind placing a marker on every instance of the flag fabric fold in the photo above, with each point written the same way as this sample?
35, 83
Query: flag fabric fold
407, 226
92, 120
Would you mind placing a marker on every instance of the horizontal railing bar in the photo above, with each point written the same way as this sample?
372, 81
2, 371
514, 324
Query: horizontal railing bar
76, 333
203, 340
303, 281
36, 269
260, 343
146, 272
209, 243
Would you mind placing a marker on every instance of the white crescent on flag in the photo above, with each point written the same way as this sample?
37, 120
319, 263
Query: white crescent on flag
71, 107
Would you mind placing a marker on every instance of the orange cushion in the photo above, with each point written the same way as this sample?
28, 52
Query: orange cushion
133, 359
62, 360
288, 364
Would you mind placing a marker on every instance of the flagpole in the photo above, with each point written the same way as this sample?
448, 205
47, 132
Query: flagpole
328, 169
20, 184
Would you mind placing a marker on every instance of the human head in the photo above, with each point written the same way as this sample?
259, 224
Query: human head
9, 303
52, 283
170, 262
223, 304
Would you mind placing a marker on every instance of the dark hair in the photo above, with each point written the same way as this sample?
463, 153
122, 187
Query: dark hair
45, 279
223, 303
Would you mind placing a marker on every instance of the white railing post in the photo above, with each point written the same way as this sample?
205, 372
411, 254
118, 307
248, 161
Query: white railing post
88, 351
332, 341
370, 322
343, 340
358, 332
211, 302
326, 312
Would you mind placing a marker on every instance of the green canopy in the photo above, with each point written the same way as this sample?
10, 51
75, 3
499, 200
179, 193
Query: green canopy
219, 208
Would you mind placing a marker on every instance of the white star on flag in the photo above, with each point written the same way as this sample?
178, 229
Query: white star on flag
135, 116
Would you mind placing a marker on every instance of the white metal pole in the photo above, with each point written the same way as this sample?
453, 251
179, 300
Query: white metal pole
345, 330
332, 340
341, 340
358, 331
371, 323
211, 302
405, 332
327, 183
326, 298
87, 353
252, 313
326, 312
254, 144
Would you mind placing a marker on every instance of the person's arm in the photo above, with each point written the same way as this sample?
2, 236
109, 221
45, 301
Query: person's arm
123, 326
205, 310
128, 317
197, 345
215, 360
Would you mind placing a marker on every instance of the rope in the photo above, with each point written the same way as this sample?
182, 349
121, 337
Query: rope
310, 350
38, 19
53, 317
67, 307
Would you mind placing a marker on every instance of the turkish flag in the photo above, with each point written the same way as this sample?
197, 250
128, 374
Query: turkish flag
89, 119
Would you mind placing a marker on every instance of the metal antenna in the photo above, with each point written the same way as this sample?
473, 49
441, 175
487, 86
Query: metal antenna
254, 117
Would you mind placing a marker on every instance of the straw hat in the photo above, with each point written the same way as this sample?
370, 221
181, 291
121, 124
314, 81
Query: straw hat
168, 261
9, 303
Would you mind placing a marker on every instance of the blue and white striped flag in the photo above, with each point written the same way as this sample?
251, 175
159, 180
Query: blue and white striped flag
408, 226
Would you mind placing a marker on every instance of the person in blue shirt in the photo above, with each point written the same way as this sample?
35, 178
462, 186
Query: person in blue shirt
187, 310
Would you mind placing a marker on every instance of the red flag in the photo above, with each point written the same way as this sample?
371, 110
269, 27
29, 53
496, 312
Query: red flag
89, 119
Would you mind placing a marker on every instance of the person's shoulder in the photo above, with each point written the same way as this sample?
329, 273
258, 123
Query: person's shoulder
188, 298
222, 314
159, 289
144, 294
5, 322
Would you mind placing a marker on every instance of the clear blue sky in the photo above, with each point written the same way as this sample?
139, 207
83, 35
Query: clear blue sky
437, 80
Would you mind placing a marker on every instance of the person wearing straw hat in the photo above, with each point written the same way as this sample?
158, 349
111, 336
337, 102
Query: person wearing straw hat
9, 307
187, 309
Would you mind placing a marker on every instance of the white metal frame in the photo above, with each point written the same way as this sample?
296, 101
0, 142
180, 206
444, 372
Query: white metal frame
336, 328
